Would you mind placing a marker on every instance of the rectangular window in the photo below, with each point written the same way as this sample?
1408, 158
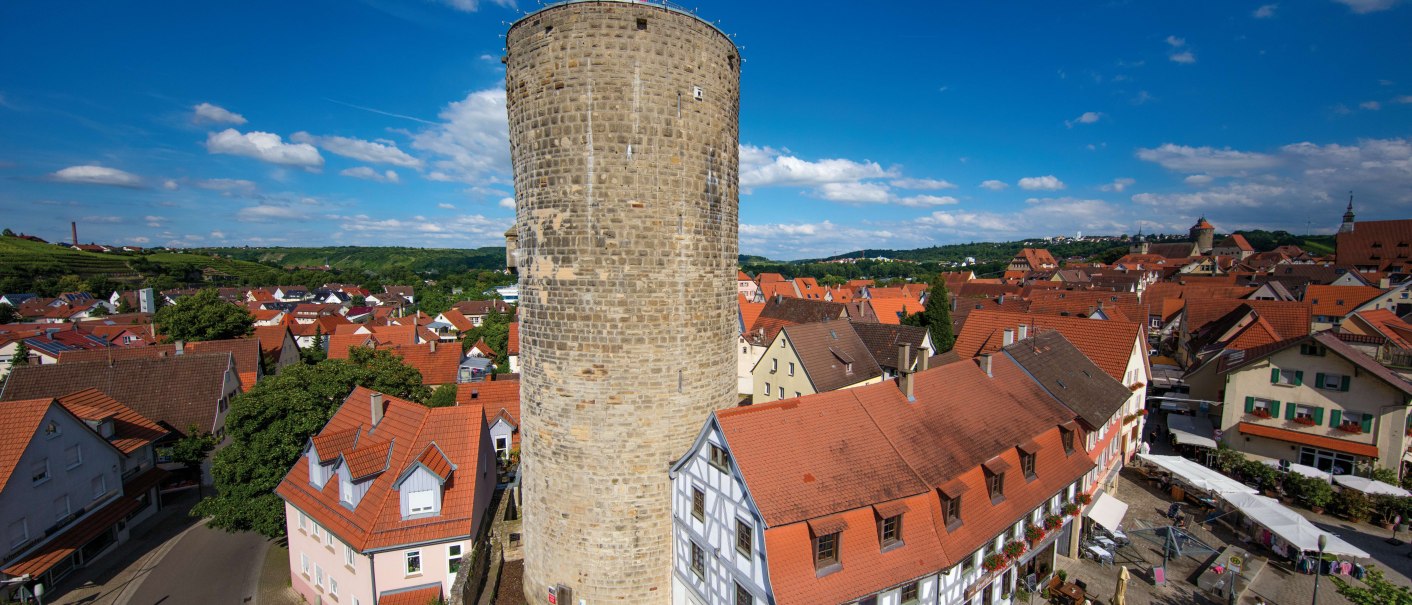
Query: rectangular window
791, 368
348, 555
743, 596
1310, 348
768, 389
1332, 382
951, 511
1027, 465
909, 593
798, 394
969, 563
100, 486
345, 491
414, 562
332, 586
995, 485
698, 561
420, 502
719, 459
304, 564
744, 538
1067, 437
315, 532
1262, 408
303, 522
328, 539
825, 550
698, 504
61, 508
453, 558
39, 471
73, 456
1286, 377
318, 575
19, 533
890, 531
781, 392
774, 365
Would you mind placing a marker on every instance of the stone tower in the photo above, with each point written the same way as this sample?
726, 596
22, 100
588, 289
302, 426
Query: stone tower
624, 130
1204, 235
1347, 225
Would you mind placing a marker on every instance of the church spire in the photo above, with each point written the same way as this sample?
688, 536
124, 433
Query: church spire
1347, 226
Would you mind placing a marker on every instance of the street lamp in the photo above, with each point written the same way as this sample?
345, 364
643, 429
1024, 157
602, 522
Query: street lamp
1319, 569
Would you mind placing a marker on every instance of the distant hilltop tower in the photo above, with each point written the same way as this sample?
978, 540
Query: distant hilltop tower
624, 136
1347, 225
1204, 235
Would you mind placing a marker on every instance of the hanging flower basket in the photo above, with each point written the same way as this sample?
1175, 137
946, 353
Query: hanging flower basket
1013, 549
993, 563
1052, 522
1071, 509
1033, 533
1084, 499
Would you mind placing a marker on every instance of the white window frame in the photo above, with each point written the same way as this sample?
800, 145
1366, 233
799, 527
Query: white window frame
774, 365
408, 558
791, 368
1303, 411
781, 392
1261, 404
100, 486
303, 522
1332, 382
413, 509
39, 478
318, 575
345, 491
454, 553
304, 564
348, 555
77, 454
332, 586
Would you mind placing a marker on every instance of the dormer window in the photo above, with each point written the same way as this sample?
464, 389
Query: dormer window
826, 550
951, 511
421, 502
345, 491
1027, 464
1066, 437
995, 486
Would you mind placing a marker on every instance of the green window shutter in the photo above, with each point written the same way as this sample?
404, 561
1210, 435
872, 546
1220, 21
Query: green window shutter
1249, 404
1290, 410
1343, 385
1298, 377
1335, 418
1274, 375
1319, 380
1367, 423
1318, 416
1274, 409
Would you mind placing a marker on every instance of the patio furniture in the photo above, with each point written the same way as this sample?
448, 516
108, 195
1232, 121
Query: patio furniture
1098, 553
1069, 593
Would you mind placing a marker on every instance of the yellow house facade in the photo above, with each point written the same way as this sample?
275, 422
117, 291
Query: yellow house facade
813, 358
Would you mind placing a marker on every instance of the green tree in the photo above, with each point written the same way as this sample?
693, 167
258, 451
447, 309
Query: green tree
443, 396
98, 311
21, 357
936, 318
495, 330
269, 426
191, 450
8, 232
124, 306
71, 283
203, 316
315, 352
8, 314
1376, 590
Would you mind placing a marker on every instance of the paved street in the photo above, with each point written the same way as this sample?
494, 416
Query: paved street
205, 566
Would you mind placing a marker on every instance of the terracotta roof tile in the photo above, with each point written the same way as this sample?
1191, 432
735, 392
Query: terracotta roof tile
781, 312
1381, 244
22, 418
436, 461
831, 354
130, 429
1338, 301
369, 458
1070, 377
330, 444
1289, 318
412, 596
1109, 344
1387, 324
749, 312
513, 341
65, 544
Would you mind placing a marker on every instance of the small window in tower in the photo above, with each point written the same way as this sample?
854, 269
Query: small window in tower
642, 25
697, 93
730, 62
548, 29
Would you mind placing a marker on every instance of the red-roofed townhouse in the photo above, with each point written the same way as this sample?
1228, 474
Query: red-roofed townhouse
889, 493
1315, 400
389, 497
501, 401
1234, 245
75, 473
1330, 304
749, 311
747, 287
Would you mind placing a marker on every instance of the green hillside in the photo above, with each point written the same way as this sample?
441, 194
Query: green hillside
20, 257
368, 260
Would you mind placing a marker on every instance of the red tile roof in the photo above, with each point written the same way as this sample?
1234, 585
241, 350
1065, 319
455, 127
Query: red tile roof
1289, 318
513, 342
65, 544
22, 420
130, 429
360, 335
1388, 325
412, 596
891, 310
1381, 244
749, 312
408, 429
245, 351
458, 320
1337, 301
1108, 343
438, 366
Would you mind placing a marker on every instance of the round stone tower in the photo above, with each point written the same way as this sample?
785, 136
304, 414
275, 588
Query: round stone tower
624, 137
1204, 235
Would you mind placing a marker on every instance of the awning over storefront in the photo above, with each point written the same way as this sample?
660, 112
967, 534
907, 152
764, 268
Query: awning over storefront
1307, 471
1191, 430
1369, 486
49, 554
1107, 511
1198, 476
1290, 525
1302, 438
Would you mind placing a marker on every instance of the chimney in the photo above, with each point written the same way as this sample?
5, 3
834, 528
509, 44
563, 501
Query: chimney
923, 360
1009, 337
904, 370
73, 227
432, 344
180, 347
1024, 332
1384, 283
778, 297
375, 401
986, 365
1001, 300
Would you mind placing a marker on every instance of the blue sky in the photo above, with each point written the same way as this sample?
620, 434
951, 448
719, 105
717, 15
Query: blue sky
878, 125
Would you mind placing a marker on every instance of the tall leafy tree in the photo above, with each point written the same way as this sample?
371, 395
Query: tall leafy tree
8, 314
936, 318
203, 316
1376, 590
269, 425
495, 330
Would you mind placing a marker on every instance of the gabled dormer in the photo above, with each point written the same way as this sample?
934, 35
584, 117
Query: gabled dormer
324, 450
421, 485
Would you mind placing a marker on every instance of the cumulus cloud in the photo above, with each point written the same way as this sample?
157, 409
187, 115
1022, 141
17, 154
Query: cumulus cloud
1183, 57
374, 152
923, 184
1087, 117
507, 202
473, 228
170, 185
1404, 99
815, 240
213, 114
97, 175
768, 167
1368, 6
1209, 160
470, 6
472, 142
873, 193
107, 220
994, 185
1179, 52
1198, 180
368, 174
446, 206
1118, 185
218, 234
264, 146
268, 213
1370, 105
138, 240
1176, 42
1265, 11
155, 221
239, 185
1041, 183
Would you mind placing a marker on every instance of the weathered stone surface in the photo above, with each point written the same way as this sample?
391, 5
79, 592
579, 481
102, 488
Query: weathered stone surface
627, 195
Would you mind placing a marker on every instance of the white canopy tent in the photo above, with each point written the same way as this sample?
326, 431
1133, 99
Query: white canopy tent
1289, 525
1369, 486
1108, 511
1198, 476
1307, 471
1191, 430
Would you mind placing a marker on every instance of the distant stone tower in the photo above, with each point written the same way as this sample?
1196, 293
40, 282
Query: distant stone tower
1204, 235
624, 130
1347, 225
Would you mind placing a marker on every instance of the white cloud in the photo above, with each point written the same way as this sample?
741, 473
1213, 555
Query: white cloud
1088, 117
1176, 42
375, 152
240, 185
97, 175
924, 184
1404, 99
919, 201
768, 167
466, 227
472, 141
107, 220
1265, 11
872, 193
470, 6
1248, 195
994, 185
1185, 57
816, 240
138, 240
218, 234
208, 113
1042, 183
507, 202
1368, 6
170, 185
266, 213
445, 206
1198, 180
1370, 105
155, 221
368, 174
1219, 162
264, 146
1118, 185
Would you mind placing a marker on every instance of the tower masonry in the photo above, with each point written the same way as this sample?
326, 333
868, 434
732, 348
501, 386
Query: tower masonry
624, 140
1204, 234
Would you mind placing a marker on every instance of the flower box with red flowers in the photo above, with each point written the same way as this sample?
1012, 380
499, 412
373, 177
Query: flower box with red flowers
1071, 509
1013, 549
1260, 413
1052, 522
1351, 427
993, 563
1033, 533
1084, 499
1304, 420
